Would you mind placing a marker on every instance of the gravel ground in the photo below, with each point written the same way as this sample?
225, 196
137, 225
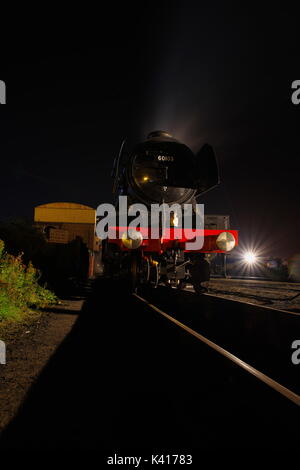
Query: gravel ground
278, 295
28, 348
32, 344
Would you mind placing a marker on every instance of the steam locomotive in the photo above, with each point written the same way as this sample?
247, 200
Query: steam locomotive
163, 171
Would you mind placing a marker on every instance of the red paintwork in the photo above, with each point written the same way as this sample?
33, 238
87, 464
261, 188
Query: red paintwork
170, 239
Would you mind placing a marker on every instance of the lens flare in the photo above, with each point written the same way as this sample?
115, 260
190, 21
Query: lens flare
250, 257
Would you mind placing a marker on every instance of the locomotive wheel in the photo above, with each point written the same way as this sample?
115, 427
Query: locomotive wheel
144, 274
181, 284
199, 289
133, 272
200, 273
154, 276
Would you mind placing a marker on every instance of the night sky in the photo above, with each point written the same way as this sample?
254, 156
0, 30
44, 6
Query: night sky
80, 81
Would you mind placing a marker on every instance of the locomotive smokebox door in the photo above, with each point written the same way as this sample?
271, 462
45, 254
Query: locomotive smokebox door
179, 166
186, 170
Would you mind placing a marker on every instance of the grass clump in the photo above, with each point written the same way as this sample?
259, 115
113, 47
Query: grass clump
19, 287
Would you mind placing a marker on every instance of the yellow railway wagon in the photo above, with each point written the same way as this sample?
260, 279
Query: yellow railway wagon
63, 222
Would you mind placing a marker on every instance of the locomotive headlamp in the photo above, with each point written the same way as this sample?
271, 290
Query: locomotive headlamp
225, 241
132, 239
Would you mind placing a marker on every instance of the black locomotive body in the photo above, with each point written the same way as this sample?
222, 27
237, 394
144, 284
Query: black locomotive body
163, 171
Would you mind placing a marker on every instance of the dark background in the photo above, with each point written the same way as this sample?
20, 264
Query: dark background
79, 81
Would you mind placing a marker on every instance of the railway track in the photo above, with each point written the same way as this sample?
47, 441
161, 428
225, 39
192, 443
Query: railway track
164, 369
279, 388
262, 298
280, 296
257, 334
261, 284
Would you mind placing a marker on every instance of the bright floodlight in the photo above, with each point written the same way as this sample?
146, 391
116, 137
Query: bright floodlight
250, 257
